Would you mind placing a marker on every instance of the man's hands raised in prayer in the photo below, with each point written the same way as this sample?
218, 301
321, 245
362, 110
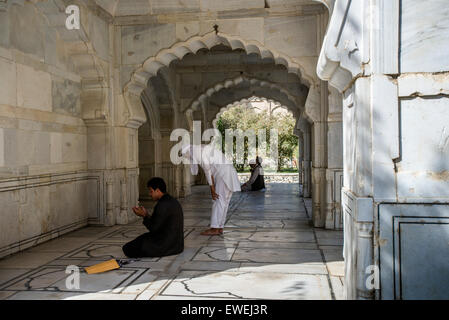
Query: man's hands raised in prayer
140, 211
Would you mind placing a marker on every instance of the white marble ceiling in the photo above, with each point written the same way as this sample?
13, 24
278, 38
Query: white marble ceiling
144, 7
125, 7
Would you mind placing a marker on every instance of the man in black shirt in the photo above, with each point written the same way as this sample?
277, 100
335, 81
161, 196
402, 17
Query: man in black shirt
166, 226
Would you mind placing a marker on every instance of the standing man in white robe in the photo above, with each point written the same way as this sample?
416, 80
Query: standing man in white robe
221, 177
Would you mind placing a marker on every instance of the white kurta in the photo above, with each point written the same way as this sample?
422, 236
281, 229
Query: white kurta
215, 164
221, 205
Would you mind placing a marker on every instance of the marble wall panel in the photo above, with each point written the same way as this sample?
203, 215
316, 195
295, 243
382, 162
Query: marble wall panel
39, 208
27, 150
68, 203
2, 148
8, 82
414, 251
335, 145
42, 142
142, 42
9, 146
34, 214
34, 88
66, 97
96, 147
218, 5
34, 147
424, 275
55, 147
9, 219
248, 29
26, 26
137, 7
186, 30
284, 3
52, 47
423, 171
96, 197
172, 6
99, 36
424, 36
74, 147
4, 29
294, 36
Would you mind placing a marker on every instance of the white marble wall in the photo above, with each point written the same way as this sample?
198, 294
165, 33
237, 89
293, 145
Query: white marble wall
424, 36
40, 208
43, 140
394, 133
59, 144
141, 42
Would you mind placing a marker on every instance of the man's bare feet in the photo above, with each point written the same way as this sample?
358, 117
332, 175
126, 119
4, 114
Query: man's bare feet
212, 232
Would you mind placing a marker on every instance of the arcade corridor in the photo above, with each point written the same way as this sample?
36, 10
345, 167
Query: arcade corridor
268, 251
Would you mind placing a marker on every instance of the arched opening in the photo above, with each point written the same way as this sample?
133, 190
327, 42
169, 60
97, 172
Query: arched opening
192, 81
269, 117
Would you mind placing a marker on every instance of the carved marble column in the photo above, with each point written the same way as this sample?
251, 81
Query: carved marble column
109, 218
319, 175
122, 218
364, 259
329, 210
300, 162
304, 127
334, 171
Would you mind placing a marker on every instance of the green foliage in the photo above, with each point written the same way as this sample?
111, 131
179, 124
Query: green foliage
243, 118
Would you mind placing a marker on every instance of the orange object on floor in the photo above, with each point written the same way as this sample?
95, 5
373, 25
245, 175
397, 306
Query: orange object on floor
103, 267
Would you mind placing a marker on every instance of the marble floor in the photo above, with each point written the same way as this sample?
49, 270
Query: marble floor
268, 251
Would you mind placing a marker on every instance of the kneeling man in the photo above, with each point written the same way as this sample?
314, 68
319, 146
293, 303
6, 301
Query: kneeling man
166, 225
256, 182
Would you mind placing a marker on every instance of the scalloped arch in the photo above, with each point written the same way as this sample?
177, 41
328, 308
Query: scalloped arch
241, 102
152, 65
229, 83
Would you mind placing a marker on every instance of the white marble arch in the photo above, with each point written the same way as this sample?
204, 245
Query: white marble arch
153, 116
135, 115
258, 91
152, 65
245, 102
267, 94
240, 80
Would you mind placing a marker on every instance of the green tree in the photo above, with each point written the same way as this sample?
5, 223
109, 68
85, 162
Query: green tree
244, 118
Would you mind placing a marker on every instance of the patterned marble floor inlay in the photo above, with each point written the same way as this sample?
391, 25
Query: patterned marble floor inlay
269, 250
248, 285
